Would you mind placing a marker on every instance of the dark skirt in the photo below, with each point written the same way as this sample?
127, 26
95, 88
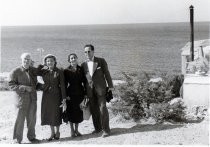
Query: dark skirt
74, 113
50, 110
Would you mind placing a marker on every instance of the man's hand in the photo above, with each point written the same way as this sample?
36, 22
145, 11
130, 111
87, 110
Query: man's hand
24, 88
68, 98
28, 88
111, 89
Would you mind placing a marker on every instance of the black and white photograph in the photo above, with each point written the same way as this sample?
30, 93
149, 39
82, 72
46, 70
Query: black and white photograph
104, 72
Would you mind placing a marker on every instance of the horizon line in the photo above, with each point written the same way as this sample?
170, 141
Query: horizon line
100, 24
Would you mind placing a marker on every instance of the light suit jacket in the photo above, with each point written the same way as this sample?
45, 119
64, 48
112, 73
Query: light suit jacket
18, 82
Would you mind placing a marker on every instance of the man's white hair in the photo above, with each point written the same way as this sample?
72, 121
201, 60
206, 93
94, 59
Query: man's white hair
23, 55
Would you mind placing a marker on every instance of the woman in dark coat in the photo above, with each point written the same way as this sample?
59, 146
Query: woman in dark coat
74, 79
53, 94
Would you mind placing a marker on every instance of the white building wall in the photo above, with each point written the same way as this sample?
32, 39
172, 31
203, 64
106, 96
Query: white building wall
196, 90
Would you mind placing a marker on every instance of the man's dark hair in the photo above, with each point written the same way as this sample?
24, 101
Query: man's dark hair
90, 46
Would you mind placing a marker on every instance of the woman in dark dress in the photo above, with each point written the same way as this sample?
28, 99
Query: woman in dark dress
74, 81
53, 94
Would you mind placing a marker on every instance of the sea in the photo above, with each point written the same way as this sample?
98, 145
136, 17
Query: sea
129, 48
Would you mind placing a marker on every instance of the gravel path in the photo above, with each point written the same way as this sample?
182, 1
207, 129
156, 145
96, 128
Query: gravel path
123, 132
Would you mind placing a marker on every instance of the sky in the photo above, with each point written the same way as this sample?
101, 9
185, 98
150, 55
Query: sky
74, 12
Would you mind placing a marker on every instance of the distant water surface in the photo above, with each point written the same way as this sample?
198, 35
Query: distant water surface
126, 47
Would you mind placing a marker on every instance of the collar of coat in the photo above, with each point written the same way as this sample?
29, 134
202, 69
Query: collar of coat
72, 69
24, 69
95, 64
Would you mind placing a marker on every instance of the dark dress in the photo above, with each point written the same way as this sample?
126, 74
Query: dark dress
74, 81
53, 93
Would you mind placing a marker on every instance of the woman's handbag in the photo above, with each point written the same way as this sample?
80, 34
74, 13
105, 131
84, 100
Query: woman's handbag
64, 117
85, 106
86, 112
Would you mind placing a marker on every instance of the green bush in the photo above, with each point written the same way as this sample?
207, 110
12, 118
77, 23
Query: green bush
119, 107
4, 85
138, 94
167, 111
175, 81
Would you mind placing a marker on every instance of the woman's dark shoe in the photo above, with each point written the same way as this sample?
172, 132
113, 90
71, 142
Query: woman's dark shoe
105, 134
78, 133
96, 131
73, 135
57, 136
51, 137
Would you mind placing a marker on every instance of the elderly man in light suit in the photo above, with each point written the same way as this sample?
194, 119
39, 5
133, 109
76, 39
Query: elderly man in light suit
24, 84
98, 76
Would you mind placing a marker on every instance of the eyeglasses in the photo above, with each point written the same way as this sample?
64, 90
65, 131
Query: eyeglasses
87, 52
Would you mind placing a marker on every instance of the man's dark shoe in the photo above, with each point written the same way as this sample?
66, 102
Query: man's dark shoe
57, 136
73, 135
51, 137
34, 140
16, 141
96, 131
105, 134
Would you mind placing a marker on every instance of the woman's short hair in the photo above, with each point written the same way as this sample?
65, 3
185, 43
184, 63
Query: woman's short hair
72, 54
90, 46
50, 56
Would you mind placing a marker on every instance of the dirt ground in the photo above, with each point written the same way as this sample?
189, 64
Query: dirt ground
123, 132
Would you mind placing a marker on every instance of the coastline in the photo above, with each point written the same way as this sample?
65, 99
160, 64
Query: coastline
4, 78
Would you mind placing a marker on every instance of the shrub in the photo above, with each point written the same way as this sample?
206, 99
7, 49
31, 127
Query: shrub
118, 107
138, 97
167, 111
158, 111
176, 111
4, 85
130, 100
175, 81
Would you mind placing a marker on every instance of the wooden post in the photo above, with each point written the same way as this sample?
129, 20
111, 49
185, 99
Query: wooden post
192, 32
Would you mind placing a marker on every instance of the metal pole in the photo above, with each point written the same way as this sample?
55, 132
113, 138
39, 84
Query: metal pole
41, 50
192, 32
201, 50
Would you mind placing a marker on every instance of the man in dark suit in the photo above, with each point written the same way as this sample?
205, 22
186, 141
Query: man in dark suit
98, 77
24, 84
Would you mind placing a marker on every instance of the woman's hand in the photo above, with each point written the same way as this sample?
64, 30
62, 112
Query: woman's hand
84, 103
86, 99
110, 89
63, 105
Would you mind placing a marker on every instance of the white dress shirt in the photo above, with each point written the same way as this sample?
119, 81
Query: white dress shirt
90, 67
